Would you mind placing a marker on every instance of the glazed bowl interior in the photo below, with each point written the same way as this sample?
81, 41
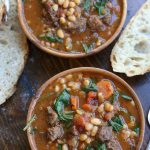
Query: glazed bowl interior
34, 39
89, 70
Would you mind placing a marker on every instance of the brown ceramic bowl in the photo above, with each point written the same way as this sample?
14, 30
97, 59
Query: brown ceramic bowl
33, 38
88, 70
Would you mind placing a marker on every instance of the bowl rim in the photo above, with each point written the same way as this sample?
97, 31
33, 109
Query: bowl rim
58, 53
104, 73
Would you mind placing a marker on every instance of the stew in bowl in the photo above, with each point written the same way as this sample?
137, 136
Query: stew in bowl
74, 26
85, 109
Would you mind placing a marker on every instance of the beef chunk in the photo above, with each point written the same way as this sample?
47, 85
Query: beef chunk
51, 16
113, 144
73, 138
73, 142
52, 116
55, 132
107, 19
95, 23
75, 131
105, 133
78, 26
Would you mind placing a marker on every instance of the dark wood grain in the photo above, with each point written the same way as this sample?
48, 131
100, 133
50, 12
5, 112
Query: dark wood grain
39, 68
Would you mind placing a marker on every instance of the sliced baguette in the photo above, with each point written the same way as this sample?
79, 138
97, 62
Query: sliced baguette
2, 11
13, 53
131, 54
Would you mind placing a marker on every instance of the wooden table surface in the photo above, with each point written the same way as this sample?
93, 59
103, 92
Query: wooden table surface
39, 68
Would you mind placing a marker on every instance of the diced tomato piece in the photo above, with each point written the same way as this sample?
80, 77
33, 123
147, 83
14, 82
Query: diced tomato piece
79, 121
87, 107
106, 88
92, 94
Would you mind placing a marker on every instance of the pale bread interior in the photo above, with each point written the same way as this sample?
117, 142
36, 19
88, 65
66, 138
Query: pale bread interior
13, 53
131, 54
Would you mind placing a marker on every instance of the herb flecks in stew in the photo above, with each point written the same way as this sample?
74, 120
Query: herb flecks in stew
85, 112
73, 25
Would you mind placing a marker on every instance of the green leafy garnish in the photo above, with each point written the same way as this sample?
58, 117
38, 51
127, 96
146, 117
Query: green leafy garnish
114, 97
66, 116
51, 38
89, 147
101, 147
126, 97
62, 101
33, 118
116, 123
87, 5
100, 6
59, 147
137, 129
87, 48
91, 87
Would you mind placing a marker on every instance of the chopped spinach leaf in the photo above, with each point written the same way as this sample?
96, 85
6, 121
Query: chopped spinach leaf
62, 101
116, 123
89, 147
137, 129
114, 97
100, 6
51, 38
33, 118
59, 147
92, 87
126, 97
87, 5
88, 48
101, 146
66, 116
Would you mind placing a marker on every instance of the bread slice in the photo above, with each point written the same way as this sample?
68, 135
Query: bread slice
131, 54
2, 11
13, 53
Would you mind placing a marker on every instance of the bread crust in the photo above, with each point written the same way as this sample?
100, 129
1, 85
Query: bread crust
131, 53
13, 53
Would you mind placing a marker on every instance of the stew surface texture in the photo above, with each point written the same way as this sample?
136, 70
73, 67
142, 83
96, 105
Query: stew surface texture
83, 111
74, 26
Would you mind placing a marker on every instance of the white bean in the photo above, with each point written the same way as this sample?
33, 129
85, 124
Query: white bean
62, 81
86, 82
88, 126
60, 33
83, 137
65, 147
88, 140
66, 4
94, 131
57, 88
100, 109
96, 121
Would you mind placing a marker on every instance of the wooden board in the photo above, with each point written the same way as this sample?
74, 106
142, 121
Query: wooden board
39, 68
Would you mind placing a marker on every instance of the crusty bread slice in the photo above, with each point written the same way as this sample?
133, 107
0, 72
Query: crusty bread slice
13, 53
2, 10
131, 54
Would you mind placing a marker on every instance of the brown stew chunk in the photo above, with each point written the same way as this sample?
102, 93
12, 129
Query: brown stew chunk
95, 23
105, 133
107, 19
52, 116
55, 132
113, 144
